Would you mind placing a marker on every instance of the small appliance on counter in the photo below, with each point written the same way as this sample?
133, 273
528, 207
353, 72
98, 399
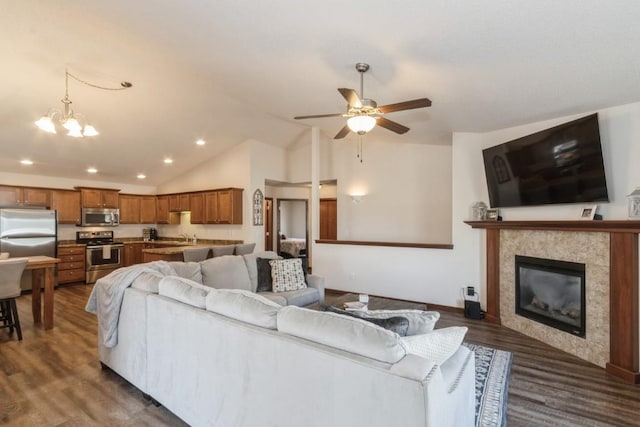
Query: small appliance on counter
146, 234
153, 234
103, 254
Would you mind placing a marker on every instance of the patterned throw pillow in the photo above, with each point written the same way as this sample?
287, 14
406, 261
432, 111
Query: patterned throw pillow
287, 275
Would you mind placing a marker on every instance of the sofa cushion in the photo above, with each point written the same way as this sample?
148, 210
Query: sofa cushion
184, 290
244, 305
437, 345
244, 249
188, 270
300, 297
275, 298
223, 250
419, 321
287, 275
252, 268
265, 281
346, 333
225, 272
397, 324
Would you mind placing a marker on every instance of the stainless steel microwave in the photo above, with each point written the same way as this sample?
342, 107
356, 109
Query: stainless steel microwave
102, 217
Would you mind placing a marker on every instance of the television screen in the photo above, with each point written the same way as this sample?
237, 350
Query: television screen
559, 165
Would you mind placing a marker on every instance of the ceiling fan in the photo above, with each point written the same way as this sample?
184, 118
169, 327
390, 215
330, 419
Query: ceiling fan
363, 113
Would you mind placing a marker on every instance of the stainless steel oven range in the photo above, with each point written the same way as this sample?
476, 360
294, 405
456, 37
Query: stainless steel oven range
103, 255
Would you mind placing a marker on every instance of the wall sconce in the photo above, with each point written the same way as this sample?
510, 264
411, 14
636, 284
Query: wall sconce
356, 198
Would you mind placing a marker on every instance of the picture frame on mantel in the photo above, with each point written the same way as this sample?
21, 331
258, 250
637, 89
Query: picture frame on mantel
589, 212
492, 215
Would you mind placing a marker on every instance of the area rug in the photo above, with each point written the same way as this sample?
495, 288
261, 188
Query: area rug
493, 368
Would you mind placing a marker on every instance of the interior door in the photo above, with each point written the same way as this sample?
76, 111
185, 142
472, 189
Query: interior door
268, 224
328, 219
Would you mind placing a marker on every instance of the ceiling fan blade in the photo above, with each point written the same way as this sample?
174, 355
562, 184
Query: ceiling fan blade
392, 126
351, 96
407, 105
343, 132
317, 116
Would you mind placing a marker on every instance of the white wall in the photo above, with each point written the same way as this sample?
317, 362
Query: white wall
437, 276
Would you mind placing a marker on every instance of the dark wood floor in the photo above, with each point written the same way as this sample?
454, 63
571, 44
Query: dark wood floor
53, 378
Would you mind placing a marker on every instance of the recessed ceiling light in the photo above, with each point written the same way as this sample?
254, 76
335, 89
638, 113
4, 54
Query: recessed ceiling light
168, 161
26, 162
200, 142
92, 170
141, 176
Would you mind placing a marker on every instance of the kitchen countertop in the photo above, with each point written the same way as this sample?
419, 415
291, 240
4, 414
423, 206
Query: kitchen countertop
172, 250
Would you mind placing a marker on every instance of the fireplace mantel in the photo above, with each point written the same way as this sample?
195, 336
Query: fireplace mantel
623, 238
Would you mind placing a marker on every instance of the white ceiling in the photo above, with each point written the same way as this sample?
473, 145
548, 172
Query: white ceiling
227, 71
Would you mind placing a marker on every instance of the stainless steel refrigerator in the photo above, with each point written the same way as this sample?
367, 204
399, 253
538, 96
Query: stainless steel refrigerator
28, 232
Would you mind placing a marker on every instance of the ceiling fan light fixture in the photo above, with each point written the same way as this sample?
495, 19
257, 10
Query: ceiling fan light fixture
361, 124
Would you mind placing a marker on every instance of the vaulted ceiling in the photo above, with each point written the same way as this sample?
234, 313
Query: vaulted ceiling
227, 71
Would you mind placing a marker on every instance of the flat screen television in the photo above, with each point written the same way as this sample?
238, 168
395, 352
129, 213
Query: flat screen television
559, 165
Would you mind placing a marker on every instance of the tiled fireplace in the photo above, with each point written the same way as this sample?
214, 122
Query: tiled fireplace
590, 249
609, 252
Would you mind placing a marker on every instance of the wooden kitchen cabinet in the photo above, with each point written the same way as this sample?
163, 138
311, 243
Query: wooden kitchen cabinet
72, 264
99, 198
162, 209
196, 203
148, 210
67, 203
129, 209
11, 196
132, 253
179, 203
223, 206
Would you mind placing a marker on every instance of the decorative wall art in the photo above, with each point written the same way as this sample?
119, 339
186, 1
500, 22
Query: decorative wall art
258, 207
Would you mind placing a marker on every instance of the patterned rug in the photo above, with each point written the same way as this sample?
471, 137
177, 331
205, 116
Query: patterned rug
493, 368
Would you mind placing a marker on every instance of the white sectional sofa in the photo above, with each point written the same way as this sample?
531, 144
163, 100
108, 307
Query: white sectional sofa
218, 357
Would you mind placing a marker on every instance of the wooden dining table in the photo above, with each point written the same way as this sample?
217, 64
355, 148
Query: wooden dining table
43, 272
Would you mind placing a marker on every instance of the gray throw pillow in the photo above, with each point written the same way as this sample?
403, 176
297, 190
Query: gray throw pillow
265, 281
397, 324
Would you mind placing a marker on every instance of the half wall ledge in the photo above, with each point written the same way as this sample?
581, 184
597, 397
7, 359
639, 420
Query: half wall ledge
390, 244
623, 275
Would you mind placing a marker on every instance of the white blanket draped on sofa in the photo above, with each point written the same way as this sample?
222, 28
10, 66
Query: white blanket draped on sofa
106, 297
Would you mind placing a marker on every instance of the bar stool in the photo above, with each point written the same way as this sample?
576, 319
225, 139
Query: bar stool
10, 273
195, 254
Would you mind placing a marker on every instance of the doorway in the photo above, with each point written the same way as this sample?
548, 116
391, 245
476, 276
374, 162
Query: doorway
293, 230
268, 224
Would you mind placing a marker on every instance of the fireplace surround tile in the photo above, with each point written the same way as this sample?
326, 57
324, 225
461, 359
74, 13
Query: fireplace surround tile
589, 248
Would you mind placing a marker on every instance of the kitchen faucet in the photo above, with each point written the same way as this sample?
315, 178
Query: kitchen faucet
185, 235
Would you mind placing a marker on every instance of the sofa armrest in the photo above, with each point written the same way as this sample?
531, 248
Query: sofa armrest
317, 282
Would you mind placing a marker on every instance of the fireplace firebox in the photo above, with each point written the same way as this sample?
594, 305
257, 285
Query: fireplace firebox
551, 292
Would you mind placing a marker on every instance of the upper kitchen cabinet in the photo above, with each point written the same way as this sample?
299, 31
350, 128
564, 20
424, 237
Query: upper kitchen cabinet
67, 203
24, 197
162, 211
196, 204
129, 209
179, 203
99, 198
223, 206
148, 210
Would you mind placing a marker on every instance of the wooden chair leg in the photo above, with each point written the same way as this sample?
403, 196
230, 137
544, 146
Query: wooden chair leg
16, 318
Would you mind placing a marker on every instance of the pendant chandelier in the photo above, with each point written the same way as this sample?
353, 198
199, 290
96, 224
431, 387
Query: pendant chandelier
75, 124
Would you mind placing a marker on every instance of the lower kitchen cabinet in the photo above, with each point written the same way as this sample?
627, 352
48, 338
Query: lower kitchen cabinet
72, 264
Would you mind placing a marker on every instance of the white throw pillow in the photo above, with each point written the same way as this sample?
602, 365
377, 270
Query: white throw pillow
343, 332
419, 321
287, 275
184, 290
437, 345
244, 305
225, 272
